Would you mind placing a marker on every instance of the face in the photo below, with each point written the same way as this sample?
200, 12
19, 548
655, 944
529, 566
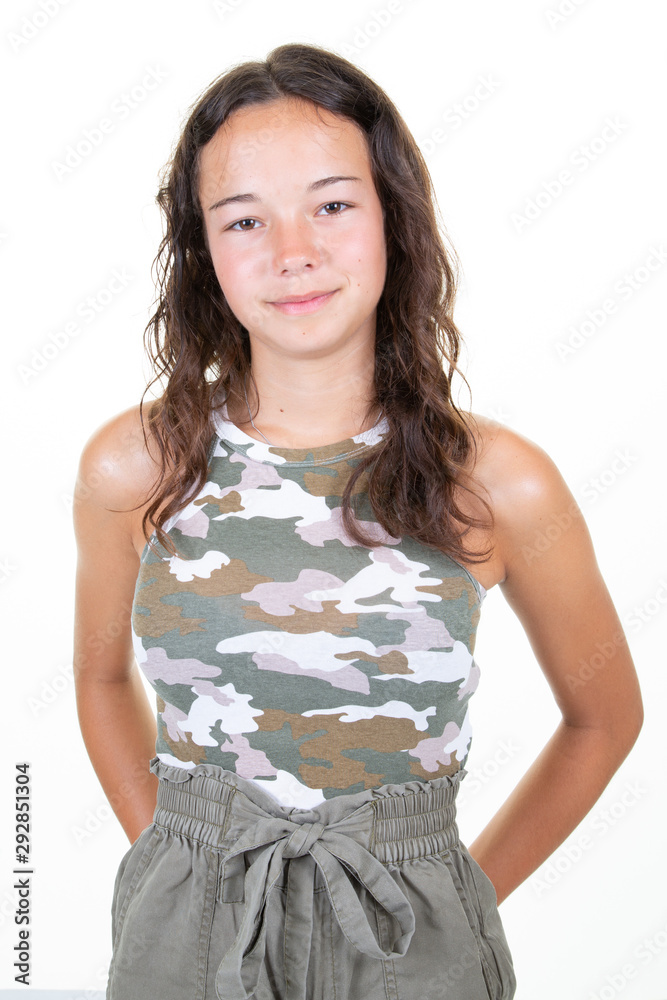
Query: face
295, 228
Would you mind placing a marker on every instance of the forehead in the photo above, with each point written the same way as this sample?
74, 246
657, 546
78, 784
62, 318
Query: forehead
259, 138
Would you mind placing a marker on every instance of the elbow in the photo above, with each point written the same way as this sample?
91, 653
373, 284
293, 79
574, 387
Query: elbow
634, 720
636, 724
626, 731
617, 735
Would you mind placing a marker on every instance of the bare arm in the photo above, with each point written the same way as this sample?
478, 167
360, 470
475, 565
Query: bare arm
117, 722
556, 590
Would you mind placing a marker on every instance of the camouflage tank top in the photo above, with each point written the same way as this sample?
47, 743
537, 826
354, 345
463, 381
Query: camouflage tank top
280, 649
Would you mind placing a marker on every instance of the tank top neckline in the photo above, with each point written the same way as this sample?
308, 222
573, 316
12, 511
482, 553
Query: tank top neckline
259, 451
327, 454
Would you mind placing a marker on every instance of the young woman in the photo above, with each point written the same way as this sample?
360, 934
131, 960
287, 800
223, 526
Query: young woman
294, 542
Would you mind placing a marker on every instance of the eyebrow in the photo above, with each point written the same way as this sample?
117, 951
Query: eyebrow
315, 186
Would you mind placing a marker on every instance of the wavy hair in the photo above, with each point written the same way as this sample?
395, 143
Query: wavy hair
198, 345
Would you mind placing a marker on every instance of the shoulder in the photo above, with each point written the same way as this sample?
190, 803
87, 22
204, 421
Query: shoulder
524, 487
119, 464
512, 467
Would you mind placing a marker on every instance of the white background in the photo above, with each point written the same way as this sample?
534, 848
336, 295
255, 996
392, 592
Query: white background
576, 929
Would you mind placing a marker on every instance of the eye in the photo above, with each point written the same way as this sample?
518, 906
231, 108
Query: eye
249, 225
244, 228
336, 205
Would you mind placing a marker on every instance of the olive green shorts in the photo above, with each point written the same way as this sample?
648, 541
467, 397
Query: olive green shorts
229, 895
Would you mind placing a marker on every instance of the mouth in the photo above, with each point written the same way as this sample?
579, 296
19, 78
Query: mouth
299, 304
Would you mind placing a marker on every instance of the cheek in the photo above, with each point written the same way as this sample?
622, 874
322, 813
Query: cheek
237, 280
365, 255
230, 275
373, 258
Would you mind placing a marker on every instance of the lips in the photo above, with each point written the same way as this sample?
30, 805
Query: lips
299, 305
300, 298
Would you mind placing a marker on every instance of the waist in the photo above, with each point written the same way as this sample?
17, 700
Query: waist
394, 822
345, 845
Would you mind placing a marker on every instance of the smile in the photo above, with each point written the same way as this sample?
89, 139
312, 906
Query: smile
309, 304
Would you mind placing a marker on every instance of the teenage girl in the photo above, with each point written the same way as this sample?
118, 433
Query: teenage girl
295, 540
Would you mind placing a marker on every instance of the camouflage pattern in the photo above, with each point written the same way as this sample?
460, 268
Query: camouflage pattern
281, 650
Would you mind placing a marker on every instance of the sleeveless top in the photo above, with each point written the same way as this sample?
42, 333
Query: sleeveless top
281, 650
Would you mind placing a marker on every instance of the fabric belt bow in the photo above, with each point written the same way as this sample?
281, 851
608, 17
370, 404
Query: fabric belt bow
339, 858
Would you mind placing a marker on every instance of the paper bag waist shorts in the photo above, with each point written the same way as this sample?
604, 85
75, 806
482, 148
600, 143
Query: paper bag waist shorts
228, 895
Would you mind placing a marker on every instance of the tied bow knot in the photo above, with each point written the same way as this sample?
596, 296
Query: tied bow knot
302, 839
276, 842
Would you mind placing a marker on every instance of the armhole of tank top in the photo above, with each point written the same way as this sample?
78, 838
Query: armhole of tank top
172, 520
215, 437
479, 589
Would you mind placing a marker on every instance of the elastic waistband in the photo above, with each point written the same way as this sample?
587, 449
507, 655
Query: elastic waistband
394, 822
346, 842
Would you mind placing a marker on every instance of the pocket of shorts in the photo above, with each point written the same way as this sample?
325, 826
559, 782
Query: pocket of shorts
474, 908
132, 867
492, 940
479, 875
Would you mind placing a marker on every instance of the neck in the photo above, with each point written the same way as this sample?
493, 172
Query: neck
307, 402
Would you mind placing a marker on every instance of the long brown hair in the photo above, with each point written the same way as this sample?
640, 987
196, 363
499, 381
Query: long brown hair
200, 347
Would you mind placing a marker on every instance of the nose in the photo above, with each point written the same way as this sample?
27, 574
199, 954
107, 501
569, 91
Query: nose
295, 247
